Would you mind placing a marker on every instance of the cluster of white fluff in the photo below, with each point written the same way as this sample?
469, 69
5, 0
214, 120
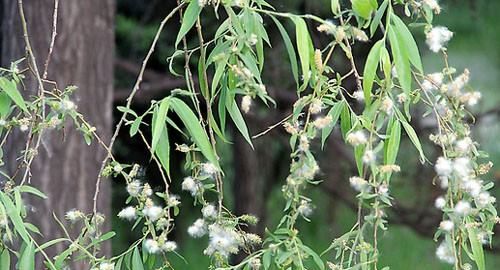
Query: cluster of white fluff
369, 157
437, 38
246, 103
191, 185
453, 89
305, 208
129, 213
322, 122
209, 211
223, 241
359, 184
432, 4
203, 3
134, 188
152, 211
74, 215
445, 252
104, 266
433, 81
387, 105
154, 214
357, 138
154, 247
467, 196
209, 169
198, 229
316, 106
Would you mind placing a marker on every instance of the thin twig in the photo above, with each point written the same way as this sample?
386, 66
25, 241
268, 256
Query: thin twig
129, 101
271, 127
41, 92
52, 39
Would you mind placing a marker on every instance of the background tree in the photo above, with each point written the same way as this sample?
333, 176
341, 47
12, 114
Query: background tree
66, 167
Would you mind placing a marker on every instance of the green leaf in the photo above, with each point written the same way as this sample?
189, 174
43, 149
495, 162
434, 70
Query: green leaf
137, 260
134, 128
414, 139
345, 121
392, 144
126, 110
27, 259
385, 59
32, 228
303, 47
107, 236
335, 114
317, 260
5, 259
221, 108
50, 243
378, 17
158, 122
188, 20
5, 103
61, 258
409, 45
358, 156
32, 190
266, 260
10, 88
477, 249
363, 8
118, 265
401, 60
202, 78
235, 114
216, 129
161, 143
197, 132
290, 50
15, 217
219, 71
250, 63
370, 70
335, 6
234, 21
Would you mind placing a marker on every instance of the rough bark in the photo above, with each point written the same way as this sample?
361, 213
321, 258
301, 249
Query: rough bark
66, 167
248, 182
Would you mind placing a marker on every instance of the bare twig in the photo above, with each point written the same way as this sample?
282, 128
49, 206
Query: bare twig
129, 101
52, 39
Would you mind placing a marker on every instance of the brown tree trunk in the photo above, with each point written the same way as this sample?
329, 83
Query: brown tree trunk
66, 167
248, 182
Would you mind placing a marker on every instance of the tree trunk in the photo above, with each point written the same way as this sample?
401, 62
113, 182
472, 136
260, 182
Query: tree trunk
66, 167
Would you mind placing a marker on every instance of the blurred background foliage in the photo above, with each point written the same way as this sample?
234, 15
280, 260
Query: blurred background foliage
254, 178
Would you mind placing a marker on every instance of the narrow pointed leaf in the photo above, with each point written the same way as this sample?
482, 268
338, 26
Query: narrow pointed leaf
235, 114
10, 88
194, 127
401, 60
137, 260
290, 50
303, 47
409, 45
27, 260
188, 20
370, 70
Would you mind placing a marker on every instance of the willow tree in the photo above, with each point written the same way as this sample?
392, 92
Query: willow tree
229, 68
